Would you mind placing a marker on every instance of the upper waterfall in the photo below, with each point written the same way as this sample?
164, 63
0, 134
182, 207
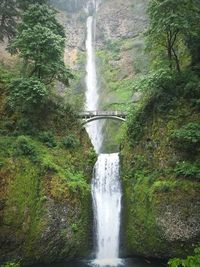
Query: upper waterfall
92, 95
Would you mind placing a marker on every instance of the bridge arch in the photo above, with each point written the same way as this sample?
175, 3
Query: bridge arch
103, 117
89, 116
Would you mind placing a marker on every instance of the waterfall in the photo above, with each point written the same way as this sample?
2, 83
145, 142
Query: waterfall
94, 129
106, 193
106, 188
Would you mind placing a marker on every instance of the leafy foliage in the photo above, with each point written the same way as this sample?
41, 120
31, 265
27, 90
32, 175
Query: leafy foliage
187, 138
193, 41
24, 4
48, 139
10, 11
169, 24
70, 142
78, 184
164, 186
160, 90
27, 93
25, 147
192, 87
40, 42
188, 170
191, 261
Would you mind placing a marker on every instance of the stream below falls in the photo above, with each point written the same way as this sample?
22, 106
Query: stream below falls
133, 262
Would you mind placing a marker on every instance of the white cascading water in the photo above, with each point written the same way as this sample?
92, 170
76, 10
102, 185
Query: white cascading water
106, 187
106, 192
92, 97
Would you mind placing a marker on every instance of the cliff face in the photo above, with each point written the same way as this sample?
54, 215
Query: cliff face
117, 19
46, 164
120, 49
45, 210
161, 209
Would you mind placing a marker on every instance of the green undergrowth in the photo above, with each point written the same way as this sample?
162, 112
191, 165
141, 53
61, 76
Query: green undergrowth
46, 163
146, 198
190, 261
161, 166
34, 173
147, 193
64, 161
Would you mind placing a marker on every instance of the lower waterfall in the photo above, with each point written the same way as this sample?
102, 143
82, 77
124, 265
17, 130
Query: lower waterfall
106, 192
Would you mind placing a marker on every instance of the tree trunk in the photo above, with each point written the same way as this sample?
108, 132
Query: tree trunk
176, 60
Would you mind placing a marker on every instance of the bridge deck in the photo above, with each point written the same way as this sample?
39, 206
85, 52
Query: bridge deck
90, 114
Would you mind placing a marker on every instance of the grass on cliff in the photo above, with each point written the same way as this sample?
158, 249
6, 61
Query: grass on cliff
119, 63
45, 156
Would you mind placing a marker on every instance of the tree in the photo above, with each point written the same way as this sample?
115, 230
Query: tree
169, 24
24, 4
8, 16
9, 12
40, 42
193, 38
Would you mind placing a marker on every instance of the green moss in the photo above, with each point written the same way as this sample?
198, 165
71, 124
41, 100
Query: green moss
151, 185
36, 177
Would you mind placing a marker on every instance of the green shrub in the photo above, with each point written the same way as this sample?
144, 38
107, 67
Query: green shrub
27, 93
25, 147
74, 227
187, 138
48, 165
164, 186
91, 156
70, 142
192, 88
190, 261
48, 139
9, 125
188, 170
77, 183
25, 126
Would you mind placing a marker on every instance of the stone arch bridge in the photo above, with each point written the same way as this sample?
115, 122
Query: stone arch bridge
89, 116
